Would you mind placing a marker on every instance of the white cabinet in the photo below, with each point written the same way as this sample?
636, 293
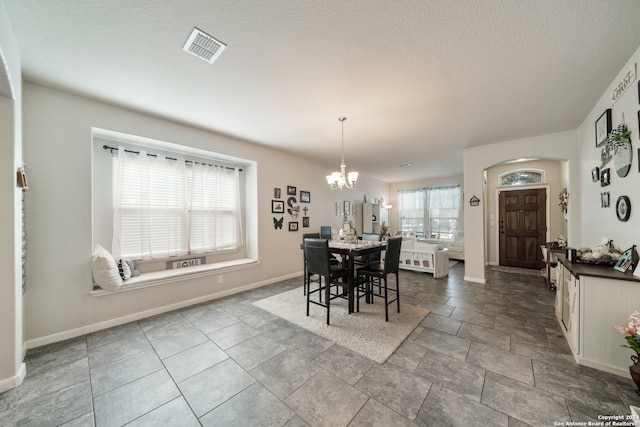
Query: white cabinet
573, 312
590, 301
567, 306
559, 290
606, 303
370, 218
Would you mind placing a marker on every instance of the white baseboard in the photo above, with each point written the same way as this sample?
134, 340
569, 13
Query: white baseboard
15, 381
622, 372
73, 333
474, 279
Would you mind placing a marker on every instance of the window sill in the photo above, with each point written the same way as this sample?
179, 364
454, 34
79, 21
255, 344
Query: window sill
170, 276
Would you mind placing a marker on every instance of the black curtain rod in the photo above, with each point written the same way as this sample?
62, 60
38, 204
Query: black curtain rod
106, 147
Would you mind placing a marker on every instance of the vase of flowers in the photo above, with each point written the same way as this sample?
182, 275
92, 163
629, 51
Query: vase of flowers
631, 333
384, 231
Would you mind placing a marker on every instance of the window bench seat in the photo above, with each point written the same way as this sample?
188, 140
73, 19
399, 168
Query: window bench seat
420, 256
162, 277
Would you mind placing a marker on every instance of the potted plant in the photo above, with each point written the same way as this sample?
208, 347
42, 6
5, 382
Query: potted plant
619, 137
631, 332
384, 230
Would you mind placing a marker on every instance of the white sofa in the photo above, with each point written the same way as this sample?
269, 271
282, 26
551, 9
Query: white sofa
423, 256
455, 246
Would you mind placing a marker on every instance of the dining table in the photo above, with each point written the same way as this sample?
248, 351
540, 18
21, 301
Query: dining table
349, 252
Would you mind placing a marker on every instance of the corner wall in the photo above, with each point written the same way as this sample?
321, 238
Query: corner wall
58, 149
557, 146
598, 222
12, 370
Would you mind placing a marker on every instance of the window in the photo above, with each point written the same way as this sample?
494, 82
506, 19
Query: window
411, 207
443, 205
169, 206
521, 177
437, 207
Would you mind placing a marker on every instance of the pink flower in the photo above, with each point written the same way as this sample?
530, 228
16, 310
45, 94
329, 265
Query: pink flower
628, 331
631, 331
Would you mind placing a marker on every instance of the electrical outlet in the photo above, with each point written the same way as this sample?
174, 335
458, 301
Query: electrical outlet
220, 278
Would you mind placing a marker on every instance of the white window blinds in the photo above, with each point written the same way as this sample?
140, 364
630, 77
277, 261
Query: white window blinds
412, 208
443, 205
168, 207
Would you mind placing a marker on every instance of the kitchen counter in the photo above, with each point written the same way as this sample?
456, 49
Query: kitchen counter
603, 271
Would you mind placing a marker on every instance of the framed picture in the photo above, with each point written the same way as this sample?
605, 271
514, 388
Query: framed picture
293, 226
595, 174
277, 193
277, 206
339, 209
605, 177
353, 209
626, 259
291, 190
605, 199
305, 197
603, 127
347, 208
305, 222
623, 208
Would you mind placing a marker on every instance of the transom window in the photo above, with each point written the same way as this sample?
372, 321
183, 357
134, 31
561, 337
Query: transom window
521, 177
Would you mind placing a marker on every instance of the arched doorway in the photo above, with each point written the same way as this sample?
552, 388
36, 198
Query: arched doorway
520, 212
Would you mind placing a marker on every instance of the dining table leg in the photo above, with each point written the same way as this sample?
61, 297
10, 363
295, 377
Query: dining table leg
352, 281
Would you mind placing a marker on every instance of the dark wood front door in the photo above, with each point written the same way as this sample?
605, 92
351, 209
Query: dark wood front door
523, 227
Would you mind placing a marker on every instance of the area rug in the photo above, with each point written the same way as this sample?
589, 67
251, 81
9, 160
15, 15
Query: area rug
364, 332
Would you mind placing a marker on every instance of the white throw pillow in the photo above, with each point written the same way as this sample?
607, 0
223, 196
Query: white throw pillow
105, 270
458, 241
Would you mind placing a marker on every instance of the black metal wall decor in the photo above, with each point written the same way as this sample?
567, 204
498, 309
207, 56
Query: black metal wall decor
474, 201
292, 207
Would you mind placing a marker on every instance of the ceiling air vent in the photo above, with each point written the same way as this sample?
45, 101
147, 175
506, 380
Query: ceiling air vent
204, 46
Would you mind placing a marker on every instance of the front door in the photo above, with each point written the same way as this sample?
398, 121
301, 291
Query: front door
523, 227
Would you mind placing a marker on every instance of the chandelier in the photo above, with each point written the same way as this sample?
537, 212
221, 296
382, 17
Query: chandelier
340, 180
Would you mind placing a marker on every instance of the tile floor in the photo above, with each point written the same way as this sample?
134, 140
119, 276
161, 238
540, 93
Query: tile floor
487, 355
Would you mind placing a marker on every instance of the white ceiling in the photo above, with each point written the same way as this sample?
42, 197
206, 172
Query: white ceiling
419, 80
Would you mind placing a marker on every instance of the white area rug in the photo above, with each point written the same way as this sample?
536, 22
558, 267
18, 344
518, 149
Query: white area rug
364, 332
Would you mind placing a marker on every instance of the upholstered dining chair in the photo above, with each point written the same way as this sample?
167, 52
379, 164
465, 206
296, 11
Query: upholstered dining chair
319, 263
376, 276
307, 277
373, 258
